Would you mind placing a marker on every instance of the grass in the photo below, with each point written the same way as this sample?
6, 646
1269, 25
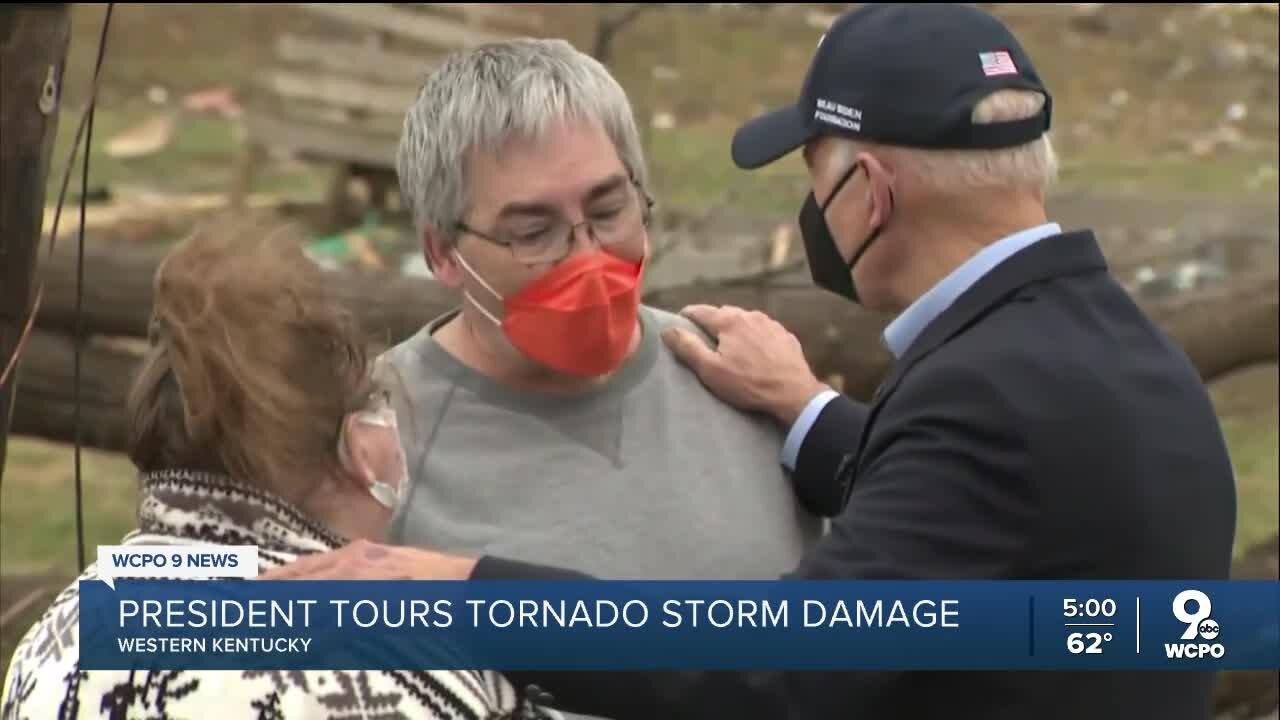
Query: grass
692, 169
1253, 443
200, 158
37, 505
37, 521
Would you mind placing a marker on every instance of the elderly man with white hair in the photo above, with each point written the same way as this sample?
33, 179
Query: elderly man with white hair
1036, 424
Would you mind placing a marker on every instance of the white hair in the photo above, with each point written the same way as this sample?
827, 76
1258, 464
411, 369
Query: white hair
1032, 166
480, 98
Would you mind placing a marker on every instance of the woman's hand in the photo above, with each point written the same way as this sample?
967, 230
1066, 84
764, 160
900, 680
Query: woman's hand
365, 560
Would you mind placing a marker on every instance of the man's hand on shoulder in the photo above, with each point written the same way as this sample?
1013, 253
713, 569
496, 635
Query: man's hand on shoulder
365, 560
756, 365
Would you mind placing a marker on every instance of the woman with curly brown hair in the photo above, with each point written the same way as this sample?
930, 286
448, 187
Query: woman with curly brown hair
255, 419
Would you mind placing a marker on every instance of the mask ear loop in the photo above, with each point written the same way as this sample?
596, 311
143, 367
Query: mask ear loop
875, 235
848, 175
382, 492
483, 310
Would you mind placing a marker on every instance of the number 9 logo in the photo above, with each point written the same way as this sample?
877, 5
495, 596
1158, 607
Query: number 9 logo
1203, 609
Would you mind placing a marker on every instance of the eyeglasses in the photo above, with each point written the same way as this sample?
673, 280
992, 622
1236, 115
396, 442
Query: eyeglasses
615, 218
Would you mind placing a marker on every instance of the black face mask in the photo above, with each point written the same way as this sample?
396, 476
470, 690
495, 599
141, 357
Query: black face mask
829, 269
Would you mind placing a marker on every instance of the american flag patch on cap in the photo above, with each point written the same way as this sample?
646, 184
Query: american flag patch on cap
997, 63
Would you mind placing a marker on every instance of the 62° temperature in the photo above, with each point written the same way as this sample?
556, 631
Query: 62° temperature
1088, 643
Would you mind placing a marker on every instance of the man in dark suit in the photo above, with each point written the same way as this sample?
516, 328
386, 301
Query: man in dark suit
1036, 424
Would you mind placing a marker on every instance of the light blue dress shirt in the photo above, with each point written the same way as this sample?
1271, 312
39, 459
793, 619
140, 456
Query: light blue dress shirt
904, 330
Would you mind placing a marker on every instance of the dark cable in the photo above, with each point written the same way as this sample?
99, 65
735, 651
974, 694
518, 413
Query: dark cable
79, 329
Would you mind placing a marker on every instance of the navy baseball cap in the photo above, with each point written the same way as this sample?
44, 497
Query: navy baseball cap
902, 74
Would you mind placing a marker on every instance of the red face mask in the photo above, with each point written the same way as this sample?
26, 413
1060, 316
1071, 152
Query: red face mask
578, 318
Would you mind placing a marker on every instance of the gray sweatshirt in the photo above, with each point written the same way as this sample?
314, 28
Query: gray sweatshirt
647, 477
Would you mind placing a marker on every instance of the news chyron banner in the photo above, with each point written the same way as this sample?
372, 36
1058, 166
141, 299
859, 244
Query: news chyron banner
150, 612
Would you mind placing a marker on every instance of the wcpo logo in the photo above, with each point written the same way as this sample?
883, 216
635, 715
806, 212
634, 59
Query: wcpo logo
1200, 626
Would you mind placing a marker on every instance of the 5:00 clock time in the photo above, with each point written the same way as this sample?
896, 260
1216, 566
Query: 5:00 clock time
1090, 608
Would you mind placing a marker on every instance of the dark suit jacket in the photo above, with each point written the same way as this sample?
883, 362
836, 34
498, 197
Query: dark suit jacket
1040, 428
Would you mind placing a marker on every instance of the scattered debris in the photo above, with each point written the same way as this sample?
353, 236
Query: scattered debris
663, 121
819, 20
1187, 276
1230, 54
147, 138
220, 100
371, 246
415, 265
1090, 19
1181, 68
1222, 137
1239, 8
779, 246
665, 74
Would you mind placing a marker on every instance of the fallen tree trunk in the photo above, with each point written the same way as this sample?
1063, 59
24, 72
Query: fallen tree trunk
45, 406
1222, 329
1225, 329
117, 294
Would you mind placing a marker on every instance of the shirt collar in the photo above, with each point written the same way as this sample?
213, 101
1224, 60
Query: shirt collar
903, 331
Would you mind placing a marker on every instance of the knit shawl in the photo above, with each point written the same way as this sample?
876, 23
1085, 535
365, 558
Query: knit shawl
184, 508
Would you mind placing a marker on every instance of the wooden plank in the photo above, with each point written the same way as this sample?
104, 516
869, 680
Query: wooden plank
309, 112
329, 143
339, 92
159, 207
433, 30
360, 59
491, 14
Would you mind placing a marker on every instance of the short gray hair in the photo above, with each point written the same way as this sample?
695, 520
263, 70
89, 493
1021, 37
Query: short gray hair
1032, 166
480, 98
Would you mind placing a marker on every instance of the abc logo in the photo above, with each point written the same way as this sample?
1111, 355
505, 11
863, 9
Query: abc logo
1194, 608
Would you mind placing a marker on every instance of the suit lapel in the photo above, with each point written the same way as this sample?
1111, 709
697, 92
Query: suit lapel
1055, 256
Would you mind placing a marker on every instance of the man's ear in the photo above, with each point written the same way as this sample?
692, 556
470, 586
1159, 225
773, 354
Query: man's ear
439, 256
881, 177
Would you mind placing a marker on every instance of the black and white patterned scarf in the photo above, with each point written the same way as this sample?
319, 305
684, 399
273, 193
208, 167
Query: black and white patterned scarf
178, 507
